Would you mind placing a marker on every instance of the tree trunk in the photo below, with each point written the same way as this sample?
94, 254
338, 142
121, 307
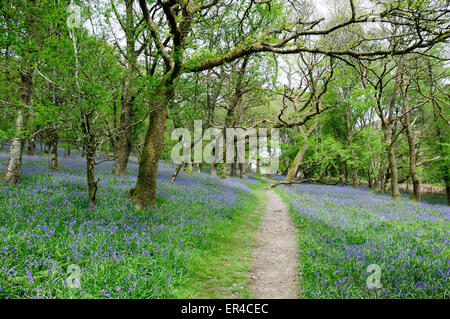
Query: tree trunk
441, 138
411, 143
381, 188
447, 187
188, 169
353, 169
67, 152
47, 147
92, 183
31, 145
213, 169
328, 174
123, 145
293, 168
224, 170
54, 151
243, 170
233, 169
12, 171
346, 173
176, 172
369, 178
387, 129
228, 169
11, 175
338, 172
392, 165
354, 172
144, 194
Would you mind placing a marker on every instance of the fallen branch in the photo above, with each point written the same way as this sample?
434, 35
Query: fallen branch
305, 181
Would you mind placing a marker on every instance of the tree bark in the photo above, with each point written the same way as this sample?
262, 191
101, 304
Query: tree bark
144, 193
369, 178
381, 187
188, 168
411, 143
447, 187
346, 173
233, 169
213, 170
11, 175
31, 145
293, 168
243, 170
395, 192
387, 130
328, 169
224, 170
47, 146
175, 173
338, 171
54, 150
92, 183
123, 146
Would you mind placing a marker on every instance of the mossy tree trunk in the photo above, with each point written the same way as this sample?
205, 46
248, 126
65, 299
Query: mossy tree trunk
144, 193
293, 168
188, 168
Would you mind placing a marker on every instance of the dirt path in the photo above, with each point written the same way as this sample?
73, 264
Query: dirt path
274, 274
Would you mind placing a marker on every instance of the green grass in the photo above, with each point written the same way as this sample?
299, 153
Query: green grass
222, 271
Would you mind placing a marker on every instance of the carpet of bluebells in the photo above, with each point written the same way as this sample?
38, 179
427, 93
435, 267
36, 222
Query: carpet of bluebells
46, 225
343, 230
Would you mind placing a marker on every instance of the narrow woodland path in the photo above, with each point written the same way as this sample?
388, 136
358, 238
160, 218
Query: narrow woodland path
274, 274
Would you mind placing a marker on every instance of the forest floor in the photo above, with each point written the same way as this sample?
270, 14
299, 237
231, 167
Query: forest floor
275, 257
197, 244
213, 238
